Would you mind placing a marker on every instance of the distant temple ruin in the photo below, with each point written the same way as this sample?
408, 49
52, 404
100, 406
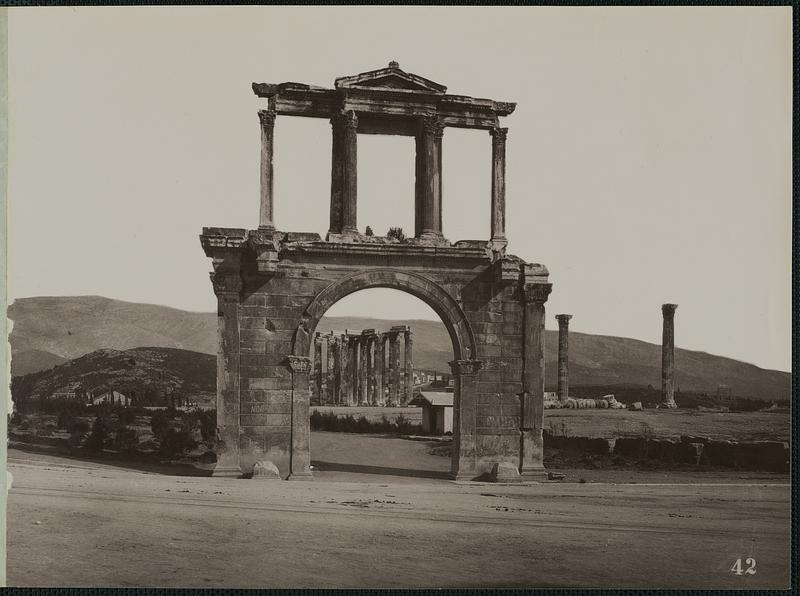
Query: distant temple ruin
366, 368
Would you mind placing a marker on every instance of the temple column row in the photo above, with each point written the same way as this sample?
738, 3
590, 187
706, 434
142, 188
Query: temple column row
356, 371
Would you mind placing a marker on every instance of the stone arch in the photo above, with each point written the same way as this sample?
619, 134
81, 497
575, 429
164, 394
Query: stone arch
431, 293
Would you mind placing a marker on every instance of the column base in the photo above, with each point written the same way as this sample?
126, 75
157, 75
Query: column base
470, 476
535, 473
498, 245
670, 405
226, 472
431, 238
300, 476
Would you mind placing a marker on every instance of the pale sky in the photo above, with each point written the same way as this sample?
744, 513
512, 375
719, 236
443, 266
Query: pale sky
649, 158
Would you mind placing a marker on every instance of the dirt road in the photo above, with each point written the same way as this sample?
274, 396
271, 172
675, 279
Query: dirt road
88, 524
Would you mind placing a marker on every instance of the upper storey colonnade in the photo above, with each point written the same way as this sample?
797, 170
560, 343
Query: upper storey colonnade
386, 101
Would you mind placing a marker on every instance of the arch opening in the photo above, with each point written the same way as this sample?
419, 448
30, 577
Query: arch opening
380, 374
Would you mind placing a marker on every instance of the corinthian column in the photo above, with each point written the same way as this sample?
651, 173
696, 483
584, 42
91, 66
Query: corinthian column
428, 165
409, 366
498, 240
267, 119
348, 130
668, 356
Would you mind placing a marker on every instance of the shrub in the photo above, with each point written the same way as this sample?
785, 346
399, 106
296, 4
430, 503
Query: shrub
100, 437
126, 415
125, 439
176, 442
160, 423
396, 233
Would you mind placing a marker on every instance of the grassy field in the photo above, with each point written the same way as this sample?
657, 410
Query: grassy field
745, 426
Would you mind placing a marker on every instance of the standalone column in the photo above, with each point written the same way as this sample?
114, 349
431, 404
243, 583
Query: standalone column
563, 357
668, 356
499, 188
267, 119
345, 127
428, 186
532, 415
409, 366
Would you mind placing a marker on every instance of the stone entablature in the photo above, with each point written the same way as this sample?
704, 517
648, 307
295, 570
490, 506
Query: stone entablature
386, 101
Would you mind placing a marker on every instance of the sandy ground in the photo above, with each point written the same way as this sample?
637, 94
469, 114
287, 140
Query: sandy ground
80, 523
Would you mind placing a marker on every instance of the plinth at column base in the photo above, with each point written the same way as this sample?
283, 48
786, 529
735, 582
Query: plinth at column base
534, 473
464, 476
671, 405
226, 472
498, 244
300, 476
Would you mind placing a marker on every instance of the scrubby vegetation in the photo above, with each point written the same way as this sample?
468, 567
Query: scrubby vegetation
329, 421
163, 434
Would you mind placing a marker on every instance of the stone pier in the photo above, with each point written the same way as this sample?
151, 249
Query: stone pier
563, 357
668, 356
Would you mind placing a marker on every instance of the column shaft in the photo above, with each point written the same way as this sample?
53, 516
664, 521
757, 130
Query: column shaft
363, 379
409, 367
532, 416
429, 186
394, 369
380, 360
265, 218
668, 356
349, 122
317, 376
499, 184
563, 356
337, 175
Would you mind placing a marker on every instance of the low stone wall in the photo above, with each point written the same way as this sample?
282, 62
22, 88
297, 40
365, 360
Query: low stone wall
771, 456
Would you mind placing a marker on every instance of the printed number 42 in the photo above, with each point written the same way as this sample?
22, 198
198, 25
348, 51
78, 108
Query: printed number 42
737, 568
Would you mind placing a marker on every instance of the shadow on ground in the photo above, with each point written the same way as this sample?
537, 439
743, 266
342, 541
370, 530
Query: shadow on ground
323, 466
166, 469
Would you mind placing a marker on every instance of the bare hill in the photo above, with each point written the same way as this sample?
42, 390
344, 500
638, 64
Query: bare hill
66, 327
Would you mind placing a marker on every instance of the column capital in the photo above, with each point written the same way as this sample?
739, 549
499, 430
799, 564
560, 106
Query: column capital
563, 320
465, 367
432, 125
227, 284
499, 135
346, 119
536, 292
668, 309
299, 364
267, 118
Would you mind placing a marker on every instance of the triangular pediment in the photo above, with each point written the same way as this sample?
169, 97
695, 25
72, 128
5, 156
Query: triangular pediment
391, 77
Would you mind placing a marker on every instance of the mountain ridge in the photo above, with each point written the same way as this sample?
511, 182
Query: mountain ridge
47, 329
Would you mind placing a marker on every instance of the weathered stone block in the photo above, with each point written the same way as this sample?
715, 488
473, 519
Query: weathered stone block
266, 470
504, 472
